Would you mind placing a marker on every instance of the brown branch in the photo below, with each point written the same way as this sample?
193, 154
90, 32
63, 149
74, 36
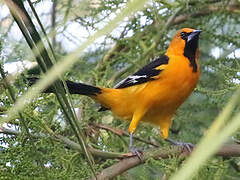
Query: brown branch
118, 168
128, 163
230, 150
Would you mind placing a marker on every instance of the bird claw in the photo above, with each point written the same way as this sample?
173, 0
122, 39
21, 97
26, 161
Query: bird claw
136, 152
187, 146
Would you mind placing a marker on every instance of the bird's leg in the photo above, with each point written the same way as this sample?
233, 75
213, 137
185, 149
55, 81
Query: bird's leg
188, 146
131, 141
133, 149
132, 127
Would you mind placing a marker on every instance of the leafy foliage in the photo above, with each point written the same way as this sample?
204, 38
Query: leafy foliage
134, 43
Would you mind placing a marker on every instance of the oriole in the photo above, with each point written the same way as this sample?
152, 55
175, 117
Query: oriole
154, 93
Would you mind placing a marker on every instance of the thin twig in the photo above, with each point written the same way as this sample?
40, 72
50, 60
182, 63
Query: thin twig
69, 143
120, 132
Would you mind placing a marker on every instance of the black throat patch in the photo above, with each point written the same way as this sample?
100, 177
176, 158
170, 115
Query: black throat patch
190, 52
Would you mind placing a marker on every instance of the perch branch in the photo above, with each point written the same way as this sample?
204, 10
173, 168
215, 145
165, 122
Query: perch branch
125, 164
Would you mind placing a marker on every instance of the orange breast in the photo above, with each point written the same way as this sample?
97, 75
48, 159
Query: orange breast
167, 93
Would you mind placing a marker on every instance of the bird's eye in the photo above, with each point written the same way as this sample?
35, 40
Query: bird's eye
183, 35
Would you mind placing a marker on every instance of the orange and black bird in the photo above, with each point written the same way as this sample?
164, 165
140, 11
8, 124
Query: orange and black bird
154, 93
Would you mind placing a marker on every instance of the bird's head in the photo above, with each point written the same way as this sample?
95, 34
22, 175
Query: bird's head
185, 41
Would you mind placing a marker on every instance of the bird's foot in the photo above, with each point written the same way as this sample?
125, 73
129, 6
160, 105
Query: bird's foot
136, 151
187, 146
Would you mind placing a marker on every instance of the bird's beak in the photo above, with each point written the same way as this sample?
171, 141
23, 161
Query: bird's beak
193, 35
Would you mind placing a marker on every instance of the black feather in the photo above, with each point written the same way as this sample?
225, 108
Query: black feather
80, 88
74, 88
191, 46
190, 53
145, 74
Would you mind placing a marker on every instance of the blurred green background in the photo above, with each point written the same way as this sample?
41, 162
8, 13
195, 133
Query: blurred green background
111, 58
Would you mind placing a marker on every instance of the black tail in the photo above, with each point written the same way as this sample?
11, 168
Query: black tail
74, 88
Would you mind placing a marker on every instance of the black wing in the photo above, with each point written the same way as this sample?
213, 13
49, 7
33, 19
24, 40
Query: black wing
145, 74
